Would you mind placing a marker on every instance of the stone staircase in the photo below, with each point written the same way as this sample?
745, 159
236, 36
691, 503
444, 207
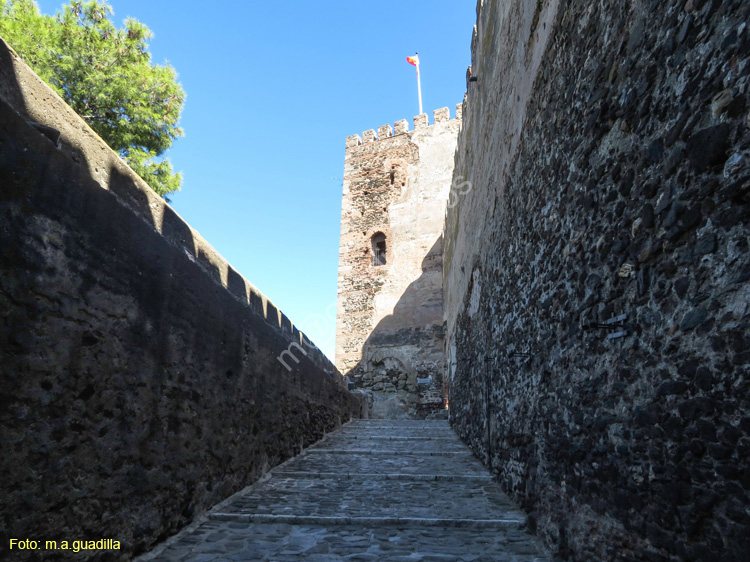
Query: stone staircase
376, 490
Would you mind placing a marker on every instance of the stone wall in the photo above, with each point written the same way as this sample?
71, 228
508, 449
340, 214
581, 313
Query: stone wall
140, 374
389, 336
597, 275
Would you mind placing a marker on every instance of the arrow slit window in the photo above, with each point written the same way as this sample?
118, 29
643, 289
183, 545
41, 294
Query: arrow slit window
378, 249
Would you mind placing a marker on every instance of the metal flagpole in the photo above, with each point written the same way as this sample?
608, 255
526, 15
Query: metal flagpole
415, 61
419, 86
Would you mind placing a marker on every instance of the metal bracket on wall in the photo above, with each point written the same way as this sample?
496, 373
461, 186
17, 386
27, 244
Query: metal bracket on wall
515, 355
620, 334
617, 323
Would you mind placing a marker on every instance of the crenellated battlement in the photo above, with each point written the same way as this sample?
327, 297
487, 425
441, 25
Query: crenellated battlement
421, 121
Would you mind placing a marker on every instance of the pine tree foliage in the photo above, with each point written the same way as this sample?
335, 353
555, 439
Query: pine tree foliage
106, 75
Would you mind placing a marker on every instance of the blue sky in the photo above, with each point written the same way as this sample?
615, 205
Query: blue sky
273, 90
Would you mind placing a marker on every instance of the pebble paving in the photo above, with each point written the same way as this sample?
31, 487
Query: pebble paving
376, 490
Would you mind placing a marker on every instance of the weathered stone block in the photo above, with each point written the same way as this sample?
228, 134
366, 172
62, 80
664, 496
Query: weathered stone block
401, 126
352, 141
384, 132
442, 115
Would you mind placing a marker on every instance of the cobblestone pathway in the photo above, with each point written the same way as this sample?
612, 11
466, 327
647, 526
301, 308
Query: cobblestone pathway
376, 490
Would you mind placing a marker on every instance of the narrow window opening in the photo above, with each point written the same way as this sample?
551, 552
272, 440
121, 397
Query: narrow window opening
378, 249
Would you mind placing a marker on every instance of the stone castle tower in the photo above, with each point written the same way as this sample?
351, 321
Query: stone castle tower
389, 334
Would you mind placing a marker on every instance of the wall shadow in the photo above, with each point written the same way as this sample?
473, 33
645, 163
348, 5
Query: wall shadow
402, 367
10, 90
28, 95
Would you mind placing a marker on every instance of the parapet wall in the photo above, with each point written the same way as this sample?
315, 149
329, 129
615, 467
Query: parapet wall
389, 337
597, 273
141, 381
401, 127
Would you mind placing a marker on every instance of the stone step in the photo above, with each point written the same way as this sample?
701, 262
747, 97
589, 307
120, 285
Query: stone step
395, 463
386, 476
409, 499
372, 436
354, 433
391, 452
381, 421
385, 430
400, 436
280, 542
407, 427
392, 446
368, 521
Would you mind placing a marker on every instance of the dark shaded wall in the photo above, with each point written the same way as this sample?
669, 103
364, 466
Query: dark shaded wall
608, 152
140, 383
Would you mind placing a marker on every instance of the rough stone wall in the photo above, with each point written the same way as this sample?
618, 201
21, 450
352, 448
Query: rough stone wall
139, 376
390, 318
597, 275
